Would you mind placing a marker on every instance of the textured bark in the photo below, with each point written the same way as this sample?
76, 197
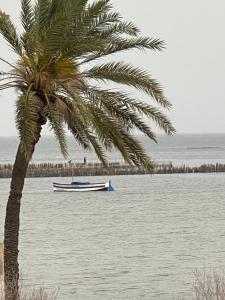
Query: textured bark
12, 223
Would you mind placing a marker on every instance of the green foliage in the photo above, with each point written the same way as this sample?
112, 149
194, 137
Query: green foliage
27, 15
8, 31
26, 120
131, 76
58, 69
55, 118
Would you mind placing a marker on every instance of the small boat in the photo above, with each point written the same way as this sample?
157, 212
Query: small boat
76, 186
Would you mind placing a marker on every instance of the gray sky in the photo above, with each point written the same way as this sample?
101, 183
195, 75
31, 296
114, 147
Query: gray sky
191, 69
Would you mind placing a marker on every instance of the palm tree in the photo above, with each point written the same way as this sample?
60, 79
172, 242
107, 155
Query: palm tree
60, 77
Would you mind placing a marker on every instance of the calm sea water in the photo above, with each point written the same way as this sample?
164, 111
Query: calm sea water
143, 241
187, 149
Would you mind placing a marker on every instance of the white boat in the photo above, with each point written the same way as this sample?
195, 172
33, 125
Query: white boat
76, 186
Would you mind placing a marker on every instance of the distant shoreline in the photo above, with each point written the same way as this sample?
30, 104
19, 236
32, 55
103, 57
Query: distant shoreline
115, 168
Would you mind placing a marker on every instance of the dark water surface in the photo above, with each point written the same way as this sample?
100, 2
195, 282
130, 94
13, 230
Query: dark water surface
143, 241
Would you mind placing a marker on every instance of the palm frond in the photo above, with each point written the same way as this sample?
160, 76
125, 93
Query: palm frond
27, 15
8, 31
83, 22
79, 128
56, 37
98, 149
137, 152
41, 11
129, 147
127, 74
27, 121
104, 20
123, 101
107, 128
67, 34
121, 27
119, 44
94, 10
73, 118
56, 123
118, 110
84, 115
140, 43
58, 7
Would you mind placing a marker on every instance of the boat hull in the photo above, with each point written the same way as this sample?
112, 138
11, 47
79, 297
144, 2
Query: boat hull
88, 187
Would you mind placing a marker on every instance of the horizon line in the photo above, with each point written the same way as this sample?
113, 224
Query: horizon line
179, 133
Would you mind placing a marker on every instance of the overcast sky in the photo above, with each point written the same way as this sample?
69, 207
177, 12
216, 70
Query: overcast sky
191, 69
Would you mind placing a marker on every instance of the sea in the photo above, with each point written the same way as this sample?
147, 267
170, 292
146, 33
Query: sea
181, 149
146, 240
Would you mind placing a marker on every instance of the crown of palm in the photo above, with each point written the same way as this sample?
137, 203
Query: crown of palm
59, 69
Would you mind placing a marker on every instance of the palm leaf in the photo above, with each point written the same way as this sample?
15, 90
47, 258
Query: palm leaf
27, 15
122, 100
130, 148
121, 112
76, 124
41, 11
118, 44
104, 20
98, 149
67, 34
58, 7
127, 74
137, 152
108, 128
93, 11
27, 117
8, 31
56, 123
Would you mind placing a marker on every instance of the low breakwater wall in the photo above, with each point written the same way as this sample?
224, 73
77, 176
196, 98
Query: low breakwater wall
96, 169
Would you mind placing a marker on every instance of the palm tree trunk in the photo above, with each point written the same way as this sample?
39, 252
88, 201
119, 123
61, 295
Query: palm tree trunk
12, 223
